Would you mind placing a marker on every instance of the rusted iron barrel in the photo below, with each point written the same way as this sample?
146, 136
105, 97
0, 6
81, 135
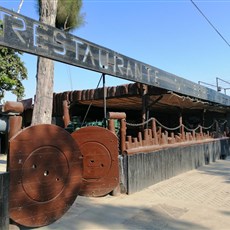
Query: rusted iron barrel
4, 195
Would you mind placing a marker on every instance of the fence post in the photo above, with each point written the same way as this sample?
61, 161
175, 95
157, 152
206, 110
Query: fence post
4, 197
121, 117
15, 125
123, 135
66, 116
154, 130
182, 128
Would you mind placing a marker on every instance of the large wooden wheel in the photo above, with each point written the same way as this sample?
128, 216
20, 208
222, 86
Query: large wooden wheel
99, 148
45, 167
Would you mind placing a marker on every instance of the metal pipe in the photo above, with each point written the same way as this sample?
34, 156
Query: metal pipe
224, 81
217, 85
205, 83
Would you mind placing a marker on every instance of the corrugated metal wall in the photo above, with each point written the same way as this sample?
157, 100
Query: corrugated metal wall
145, 169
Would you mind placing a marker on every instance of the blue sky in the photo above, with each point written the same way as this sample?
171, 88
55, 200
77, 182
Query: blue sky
170, 35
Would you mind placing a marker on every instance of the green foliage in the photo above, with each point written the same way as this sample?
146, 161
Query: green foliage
68, 14
12, 72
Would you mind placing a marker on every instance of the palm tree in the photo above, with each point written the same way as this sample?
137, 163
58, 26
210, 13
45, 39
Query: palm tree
65, 15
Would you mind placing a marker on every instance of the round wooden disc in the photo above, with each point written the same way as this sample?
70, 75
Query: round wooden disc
45, 167
99, 148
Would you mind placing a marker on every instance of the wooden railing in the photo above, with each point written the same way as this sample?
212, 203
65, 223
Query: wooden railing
154, 138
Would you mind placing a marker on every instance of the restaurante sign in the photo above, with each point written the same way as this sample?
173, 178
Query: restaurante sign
25, 34
34, 37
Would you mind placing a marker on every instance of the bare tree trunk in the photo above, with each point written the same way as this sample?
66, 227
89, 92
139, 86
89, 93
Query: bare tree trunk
43, 105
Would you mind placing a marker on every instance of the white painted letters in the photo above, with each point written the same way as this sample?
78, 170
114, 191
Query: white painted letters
60, 43
129, 71
36, 35
121, 65
77, 43
88, 53
103, 62
18, 29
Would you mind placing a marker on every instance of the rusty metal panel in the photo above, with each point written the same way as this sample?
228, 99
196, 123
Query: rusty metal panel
99, 148
45, 166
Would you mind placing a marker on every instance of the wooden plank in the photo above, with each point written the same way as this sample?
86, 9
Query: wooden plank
4, 197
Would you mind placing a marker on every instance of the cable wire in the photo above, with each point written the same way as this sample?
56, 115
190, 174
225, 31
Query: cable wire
86, 114
210, 23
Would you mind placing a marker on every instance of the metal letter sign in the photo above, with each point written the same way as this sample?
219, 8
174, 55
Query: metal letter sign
25, 34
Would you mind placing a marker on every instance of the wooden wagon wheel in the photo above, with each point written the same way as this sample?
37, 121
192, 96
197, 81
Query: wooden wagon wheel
99, 148
45, 167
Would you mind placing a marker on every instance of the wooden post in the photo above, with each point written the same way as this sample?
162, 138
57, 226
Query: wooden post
203, 117
217, 128
4, 198
123, 135
159, 135
140, 138
145, 99
66, 117
111, 125
194, 135
104, 99
146, 137
154, 130
172, 138
121, 117
129, 142
201, 131
182, 128
15, 125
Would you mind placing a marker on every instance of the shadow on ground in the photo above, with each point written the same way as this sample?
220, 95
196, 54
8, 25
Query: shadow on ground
83, 215
218, 168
